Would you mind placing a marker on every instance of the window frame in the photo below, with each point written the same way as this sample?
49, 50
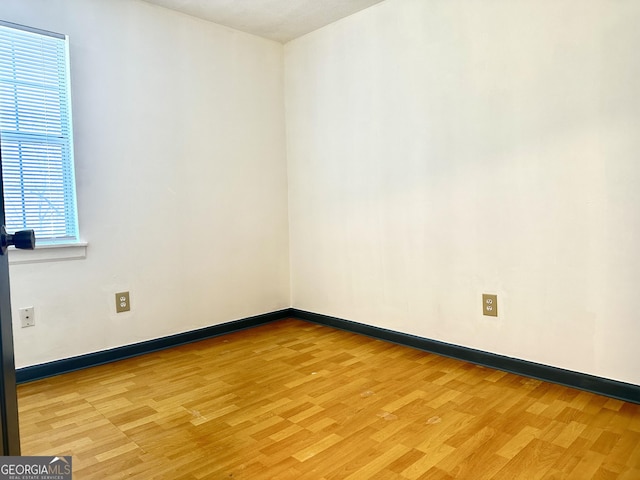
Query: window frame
69, 234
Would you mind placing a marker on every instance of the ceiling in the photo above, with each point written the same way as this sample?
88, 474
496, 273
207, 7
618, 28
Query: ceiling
279, 20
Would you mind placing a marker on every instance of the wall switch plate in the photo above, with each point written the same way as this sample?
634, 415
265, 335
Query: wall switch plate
27, 317
122, 302
490, 305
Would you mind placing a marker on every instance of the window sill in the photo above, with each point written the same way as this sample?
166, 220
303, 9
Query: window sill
48, 253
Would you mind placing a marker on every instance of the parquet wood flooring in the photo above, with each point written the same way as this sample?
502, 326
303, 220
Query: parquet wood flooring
295, 400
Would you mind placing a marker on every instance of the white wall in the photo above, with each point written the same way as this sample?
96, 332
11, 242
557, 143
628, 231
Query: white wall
181, 176
436, 150
441, 149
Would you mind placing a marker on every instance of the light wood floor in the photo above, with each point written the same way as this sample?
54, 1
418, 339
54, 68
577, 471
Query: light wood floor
294, 400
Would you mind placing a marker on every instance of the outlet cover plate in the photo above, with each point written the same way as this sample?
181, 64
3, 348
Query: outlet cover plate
122, 302
27, 317
490, 305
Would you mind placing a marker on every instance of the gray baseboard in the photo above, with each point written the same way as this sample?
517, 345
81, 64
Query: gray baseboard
49, 369
602, 386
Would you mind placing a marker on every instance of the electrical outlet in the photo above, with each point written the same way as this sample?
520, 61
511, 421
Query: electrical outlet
122, 302
490, 305
27, 317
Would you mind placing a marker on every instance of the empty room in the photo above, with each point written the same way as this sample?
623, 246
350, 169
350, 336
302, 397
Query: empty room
338, 239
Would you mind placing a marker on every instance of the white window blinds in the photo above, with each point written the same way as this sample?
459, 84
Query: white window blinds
36, 134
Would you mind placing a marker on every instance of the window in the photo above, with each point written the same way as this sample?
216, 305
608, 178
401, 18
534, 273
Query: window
36, 134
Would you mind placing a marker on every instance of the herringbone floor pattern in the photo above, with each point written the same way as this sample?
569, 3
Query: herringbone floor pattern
294, 400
